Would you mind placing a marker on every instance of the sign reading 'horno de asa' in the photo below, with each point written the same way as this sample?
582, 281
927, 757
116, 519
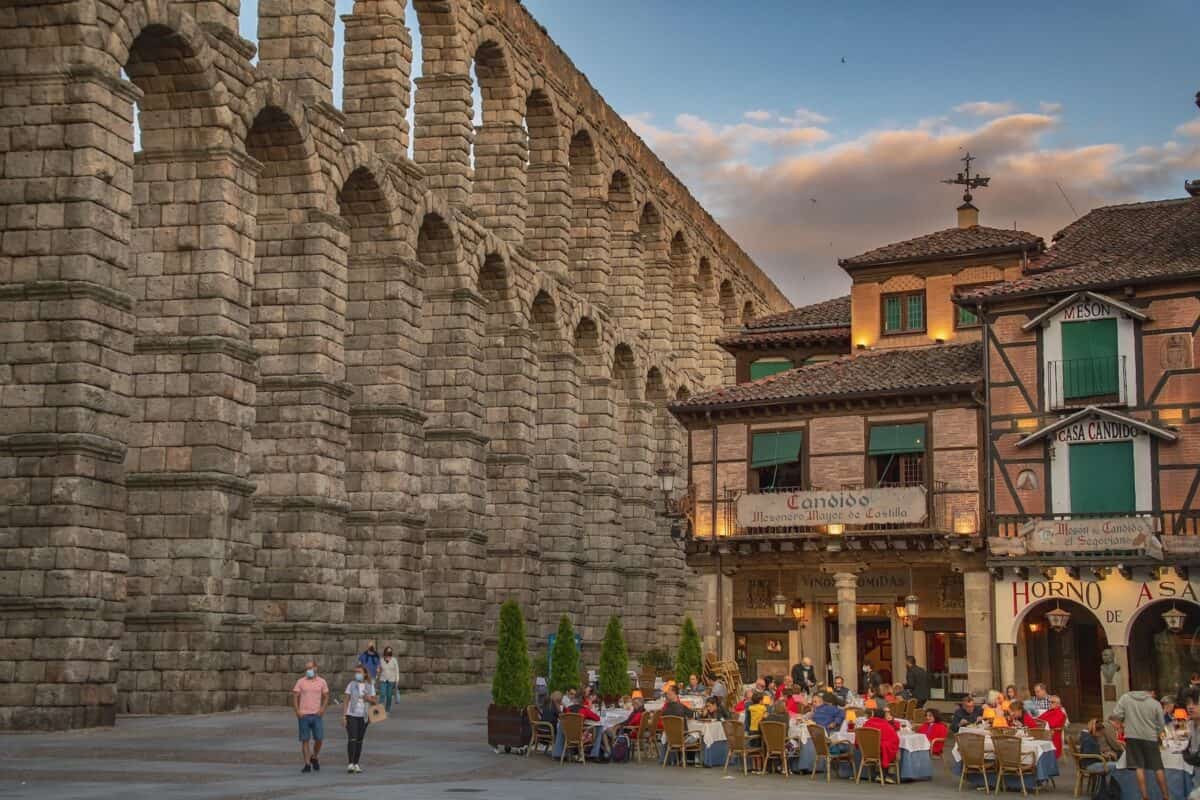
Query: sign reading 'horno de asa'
897, 506
1083, 535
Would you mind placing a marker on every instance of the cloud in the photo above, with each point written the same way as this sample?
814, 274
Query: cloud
797, 199
1050, 108
803, 116
986, 108
758, 116
1189, 129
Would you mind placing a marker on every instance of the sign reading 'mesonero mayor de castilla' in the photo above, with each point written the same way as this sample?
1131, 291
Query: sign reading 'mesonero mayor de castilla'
904, 505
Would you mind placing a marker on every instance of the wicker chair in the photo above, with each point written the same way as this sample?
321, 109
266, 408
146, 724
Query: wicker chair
868, 742
1042, 734
774, 743
1010, 761
542, 732
1083, 763
571, 726
678, 741
972, 749
735, 740
641, 733
820, 742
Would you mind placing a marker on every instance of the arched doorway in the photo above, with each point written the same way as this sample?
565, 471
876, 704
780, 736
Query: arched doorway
1067, 661
1160, 658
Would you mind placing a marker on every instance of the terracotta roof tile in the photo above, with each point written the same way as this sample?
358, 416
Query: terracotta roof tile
1111, 246
799, 337
947, 243
833, 313
897, 371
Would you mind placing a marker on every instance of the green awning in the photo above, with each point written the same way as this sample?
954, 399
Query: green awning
763, 368
769, 449
886, 439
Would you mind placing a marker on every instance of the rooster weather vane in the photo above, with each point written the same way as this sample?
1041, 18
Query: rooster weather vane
967, 180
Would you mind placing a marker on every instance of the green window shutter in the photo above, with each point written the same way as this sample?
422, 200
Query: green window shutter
1090, 361
769, 449
916, 312
891, 314
888, 439
967, 317
761, 369
1102, 478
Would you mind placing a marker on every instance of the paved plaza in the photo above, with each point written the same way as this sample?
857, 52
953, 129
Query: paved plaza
435, 748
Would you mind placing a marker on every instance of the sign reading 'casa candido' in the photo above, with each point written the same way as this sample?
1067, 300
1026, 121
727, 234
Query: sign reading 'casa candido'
1090, 535
1097, 430
905, 505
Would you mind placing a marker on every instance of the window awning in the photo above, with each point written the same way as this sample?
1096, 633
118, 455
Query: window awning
888, 439
763, 367
769, 449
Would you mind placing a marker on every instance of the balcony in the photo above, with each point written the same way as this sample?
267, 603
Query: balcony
1079, 382
1175, 533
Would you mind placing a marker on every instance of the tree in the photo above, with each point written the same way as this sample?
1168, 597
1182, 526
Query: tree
688, 659
564, 658
614, 661
512, 684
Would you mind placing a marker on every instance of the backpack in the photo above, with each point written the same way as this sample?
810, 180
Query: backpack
621, 749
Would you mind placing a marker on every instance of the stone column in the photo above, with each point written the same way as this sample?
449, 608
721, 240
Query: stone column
590, 265
1008, 665
499, 200
442, 142
636, 521
685, 302
1121, 658
977, 591
847, 599
658, 322
548, 229
295, 46
627, 295
376, 75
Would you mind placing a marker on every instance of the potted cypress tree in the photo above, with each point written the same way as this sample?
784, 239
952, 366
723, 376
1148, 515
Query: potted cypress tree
688, 659
512, 690
564, 658
614, 663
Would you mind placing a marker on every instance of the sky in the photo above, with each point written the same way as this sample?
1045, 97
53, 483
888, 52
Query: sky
814, 131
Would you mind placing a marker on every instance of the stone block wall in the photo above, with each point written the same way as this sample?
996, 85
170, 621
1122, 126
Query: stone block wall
270, 388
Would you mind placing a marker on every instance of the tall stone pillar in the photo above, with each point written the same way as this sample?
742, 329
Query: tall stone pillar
442, 142
1008, 665
977, 591
627, 296
548, 221
603, 581
499, 200
658, 323
636, 522
847, 600
376, 76
295, 46
590, 264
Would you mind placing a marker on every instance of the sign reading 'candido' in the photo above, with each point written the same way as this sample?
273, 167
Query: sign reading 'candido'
1097, 430
904, 505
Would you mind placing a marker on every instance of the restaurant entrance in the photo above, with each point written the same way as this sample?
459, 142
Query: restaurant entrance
1067, 661
874, 634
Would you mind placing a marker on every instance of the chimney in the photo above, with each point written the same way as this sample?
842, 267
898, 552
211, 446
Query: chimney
968, 215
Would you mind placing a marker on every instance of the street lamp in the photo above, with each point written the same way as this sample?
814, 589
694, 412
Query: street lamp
780, 605
666, 482
912, 607
1058, 619
1174, 619
799, 612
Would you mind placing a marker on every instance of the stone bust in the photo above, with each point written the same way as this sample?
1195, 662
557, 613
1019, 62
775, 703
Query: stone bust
1108, 665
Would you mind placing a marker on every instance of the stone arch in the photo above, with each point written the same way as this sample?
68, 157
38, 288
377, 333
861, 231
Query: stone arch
748, 312
1043, 651
500, 147
196, 57
685, 304
588, 259
443, 128
548, 233
1165, 660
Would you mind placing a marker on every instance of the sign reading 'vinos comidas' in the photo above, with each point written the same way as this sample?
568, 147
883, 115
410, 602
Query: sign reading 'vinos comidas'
850, 507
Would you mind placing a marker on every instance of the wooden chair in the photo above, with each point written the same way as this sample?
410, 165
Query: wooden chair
641, 733
647, 743
774, 744
870, 750
678, 741
972, 750
541, 732
1010, 761
735, 740
571, 726
820, 742
1082, 763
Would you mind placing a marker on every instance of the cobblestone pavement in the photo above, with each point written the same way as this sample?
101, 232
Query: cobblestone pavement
434, 748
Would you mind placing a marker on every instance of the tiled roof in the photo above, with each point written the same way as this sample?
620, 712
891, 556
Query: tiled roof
798, 337
833, 313
1111, 246
947, 243
872, 373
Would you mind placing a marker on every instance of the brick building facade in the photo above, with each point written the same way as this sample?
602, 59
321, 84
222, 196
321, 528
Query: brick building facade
270, 386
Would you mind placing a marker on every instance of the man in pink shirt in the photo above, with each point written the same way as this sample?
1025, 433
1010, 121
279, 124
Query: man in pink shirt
310, 696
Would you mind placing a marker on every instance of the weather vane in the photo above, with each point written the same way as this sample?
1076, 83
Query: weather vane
967, 180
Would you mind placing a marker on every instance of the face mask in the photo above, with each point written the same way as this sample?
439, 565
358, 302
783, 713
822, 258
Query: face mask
312, 673
358, 676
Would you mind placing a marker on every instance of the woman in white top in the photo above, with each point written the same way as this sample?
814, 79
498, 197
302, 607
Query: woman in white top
359, 694
389, 676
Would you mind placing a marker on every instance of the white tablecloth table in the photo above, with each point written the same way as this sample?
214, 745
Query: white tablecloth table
1039, 752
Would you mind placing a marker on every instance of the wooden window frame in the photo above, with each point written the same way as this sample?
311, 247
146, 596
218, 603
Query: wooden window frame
903, 331
752, 472
870, 476
978, 323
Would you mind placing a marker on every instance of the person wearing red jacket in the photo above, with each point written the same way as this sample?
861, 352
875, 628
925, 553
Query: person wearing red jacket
889, 740
934, 730
1055, 719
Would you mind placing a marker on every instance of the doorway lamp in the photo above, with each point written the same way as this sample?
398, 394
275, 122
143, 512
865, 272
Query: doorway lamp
666, 482
1058, 619
800, 612
1174, 619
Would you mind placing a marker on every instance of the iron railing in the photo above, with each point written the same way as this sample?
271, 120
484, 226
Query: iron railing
1079, 382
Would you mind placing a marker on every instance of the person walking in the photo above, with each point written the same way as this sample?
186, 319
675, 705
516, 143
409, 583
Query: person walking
369, 658
916, 681
310, 696
1141, 715
360, 693
389, 676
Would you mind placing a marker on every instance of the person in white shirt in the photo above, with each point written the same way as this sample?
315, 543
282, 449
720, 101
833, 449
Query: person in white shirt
389, 676
359, 694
